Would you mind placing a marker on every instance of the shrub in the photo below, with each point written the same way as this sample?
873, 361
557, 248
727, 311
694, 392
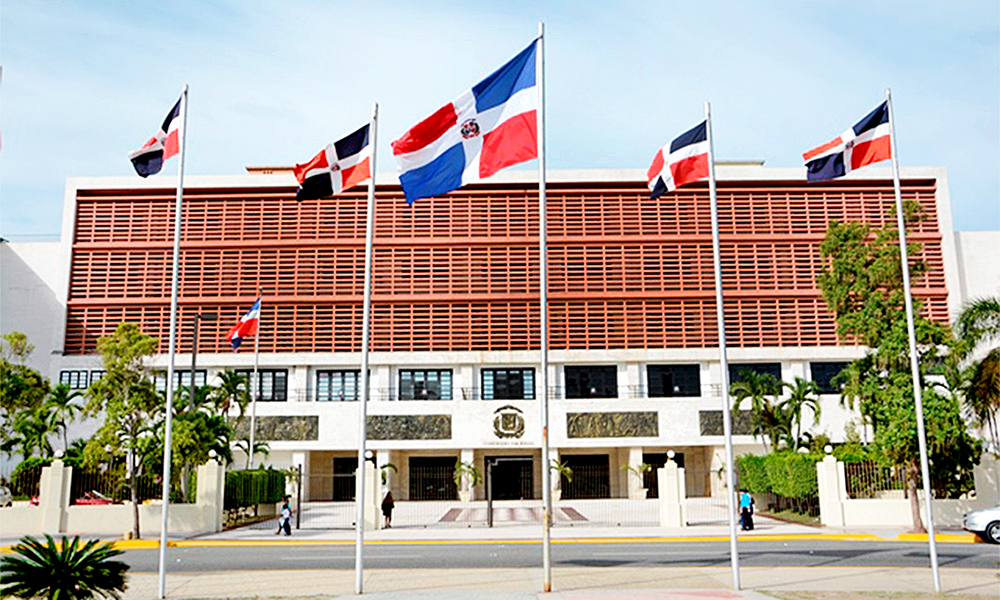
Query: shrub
787, 474
69, 571
249, 488
753, 473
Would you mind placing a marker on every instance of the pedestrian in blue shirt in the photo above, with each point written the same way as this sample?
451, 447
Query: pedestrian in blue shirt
746, 510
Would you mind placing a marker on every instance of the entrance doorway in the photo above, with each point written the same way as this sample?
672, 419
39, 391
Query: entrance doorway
511, 477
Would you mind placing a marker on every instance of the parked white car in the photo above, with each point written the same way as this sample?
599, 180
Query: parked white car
985, 523
6, 498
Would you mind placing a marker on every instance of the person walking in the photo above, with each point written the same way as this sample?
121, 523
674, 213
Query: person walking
285, 520
387, 506
746, 510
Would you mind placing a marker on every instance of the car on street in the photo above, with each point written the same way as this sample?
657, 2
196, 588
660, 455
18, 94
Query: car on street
985, 523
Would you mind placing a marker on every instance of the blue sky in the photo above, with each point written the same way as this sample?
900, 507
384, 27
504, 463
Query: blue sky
85, 82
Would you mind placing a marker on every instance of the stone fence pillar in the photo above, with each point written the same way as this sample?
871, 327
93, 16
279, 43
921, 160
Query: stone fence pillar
832, 491
211, 492
53, 496
672, 491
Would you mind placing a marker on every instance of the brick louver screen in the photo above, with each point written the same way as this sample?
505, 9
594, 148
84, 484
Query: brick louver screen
461, 272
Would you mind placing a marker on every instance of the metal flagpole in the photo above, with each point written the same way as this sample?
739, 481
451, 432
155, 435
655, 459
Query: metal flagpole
255, 384
365, 330
727, 425
169, 409
914, 364
543, 310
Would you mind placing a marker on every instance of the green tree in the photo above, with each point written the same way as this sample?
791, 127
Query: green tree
127, 398
260, 446
21, 387
63, 409
801, 394
979, 381
232, 389
30, 432
862, 286
65, 572
760, 389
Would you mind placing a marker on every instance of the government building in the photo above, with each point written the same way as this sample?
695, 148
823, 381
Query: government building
634, 370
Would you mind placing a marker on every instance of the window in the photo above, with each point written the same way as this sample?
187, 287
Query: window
824, 372
736, 370
76, 380
591, 477
666, 381
182, 379
272, 384
96, 376
432, 478
508, 384
337, 386
592, 382
425, 384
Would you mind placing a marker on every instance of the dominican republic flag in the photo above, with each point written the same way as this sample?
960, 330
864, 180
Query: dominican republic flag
148, 160
684, 161
864, 144
246, 326
339, 166
488, 128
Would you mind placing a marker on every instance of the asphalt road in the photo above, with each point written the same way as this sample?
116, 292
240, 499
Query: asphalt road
578, 554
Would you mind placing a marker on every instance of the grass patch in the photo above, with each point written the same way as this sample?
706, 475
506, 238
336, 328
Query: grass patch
792, 517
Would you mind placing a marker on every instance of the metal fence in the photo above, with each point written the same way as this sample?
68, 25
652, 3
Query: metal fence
108, 487
869, 480
24, 483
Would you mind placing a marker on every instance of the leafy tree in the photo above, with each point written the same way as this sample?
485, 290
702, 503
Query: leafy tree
63, 409
977, 324
863, 288
31, 429
16, 347
21, 387
765, 416
129, 402
65, 572
233, 389
801, 394
259, 447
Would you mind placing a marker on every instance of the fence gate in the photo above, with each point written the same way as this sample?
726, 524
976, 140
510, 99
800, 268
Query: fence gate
326, 500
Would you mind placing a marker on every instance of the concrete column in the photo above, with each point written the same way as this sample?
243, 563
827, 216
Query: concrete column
292, 487
299, 385
386, 457
373, 503
829, 476
53, 496
464, 383
987, 477
672, 491
634, 481
468, 455
211, 489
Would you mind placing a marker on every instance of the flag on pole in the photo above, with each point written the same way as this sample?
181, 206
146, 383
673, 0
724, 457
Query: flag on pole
338, 167
246, 326
488, 128
683, 161
164, 144
864, 144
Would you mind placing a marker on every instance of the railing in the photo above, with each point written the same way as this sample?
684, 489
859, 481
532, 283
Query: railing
392, 394
110, 487
869, 480
24, 484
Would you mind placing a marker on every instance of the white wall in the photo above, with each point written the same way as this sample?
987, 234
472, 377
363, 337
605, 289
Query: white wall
29, 277
979, 269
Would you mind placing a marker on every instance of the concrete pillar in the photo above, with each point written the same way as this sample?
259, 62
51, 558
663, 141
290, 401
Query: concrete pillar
299, 459
634, 481
829, 476
673, 491
299, 385
211, 490
468, 455
53, 496
372, 500
987, 477
385, 457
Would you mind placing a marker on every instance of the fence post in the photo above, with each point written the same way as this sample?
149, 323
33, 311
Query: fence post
53, 496
373, 506
987, 478
672, 491
831, 494
211, 493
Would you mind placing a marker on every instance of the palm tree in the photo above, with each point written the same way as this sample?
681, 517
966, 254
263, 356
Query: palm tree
259, 447
32, 428
63, 409
802, 394
233, 389
765, 419
979, 323
67, 572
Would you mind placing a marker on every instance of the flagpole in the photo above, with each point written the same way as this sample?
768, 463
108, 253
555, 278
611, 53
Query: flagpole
727, 425
255, 384
169, 409
543, 309
914, 364
365, 331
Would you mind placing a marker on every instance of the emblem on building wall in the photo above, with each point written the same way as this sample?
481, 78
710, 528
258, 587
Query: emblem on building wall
508, 422
469, 129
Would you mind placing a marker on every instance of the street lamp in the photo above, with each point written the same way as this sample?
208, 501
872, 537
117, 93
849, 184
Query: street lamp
194, 348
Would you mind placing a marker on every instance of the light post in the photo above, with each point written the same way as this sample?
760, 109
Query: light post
194, 350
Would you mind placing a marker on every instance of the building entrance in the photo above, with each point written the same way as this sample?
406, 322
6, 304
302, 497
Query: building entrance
511, 477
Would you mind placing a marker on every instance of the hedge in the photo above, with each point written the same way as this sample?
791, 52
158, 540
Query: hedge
249, 488
786, 474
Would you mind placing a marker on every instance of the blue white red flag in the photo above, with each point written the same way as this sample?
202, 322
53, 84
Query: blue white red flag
338, 167
865, 143
488, 128
683, 161
246, 326
148, 160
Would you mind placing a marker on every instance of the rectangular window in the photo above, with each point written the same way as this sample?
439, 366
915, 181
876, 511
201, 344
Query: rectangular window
591, 477
182, 379
591, 382
736, 370
432, 478
338, 386
272, 384
667, 381
824, 372
96, 376
425, 384
76, 380
508, 384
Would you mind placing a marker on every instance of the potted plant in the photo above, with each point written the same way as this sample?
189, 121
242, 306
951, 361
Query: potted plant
638, 470
562, 471
467, 476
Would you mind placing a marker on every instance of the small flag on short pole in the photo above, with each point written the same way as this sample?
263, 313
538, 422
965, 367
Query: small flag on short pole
246, 326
